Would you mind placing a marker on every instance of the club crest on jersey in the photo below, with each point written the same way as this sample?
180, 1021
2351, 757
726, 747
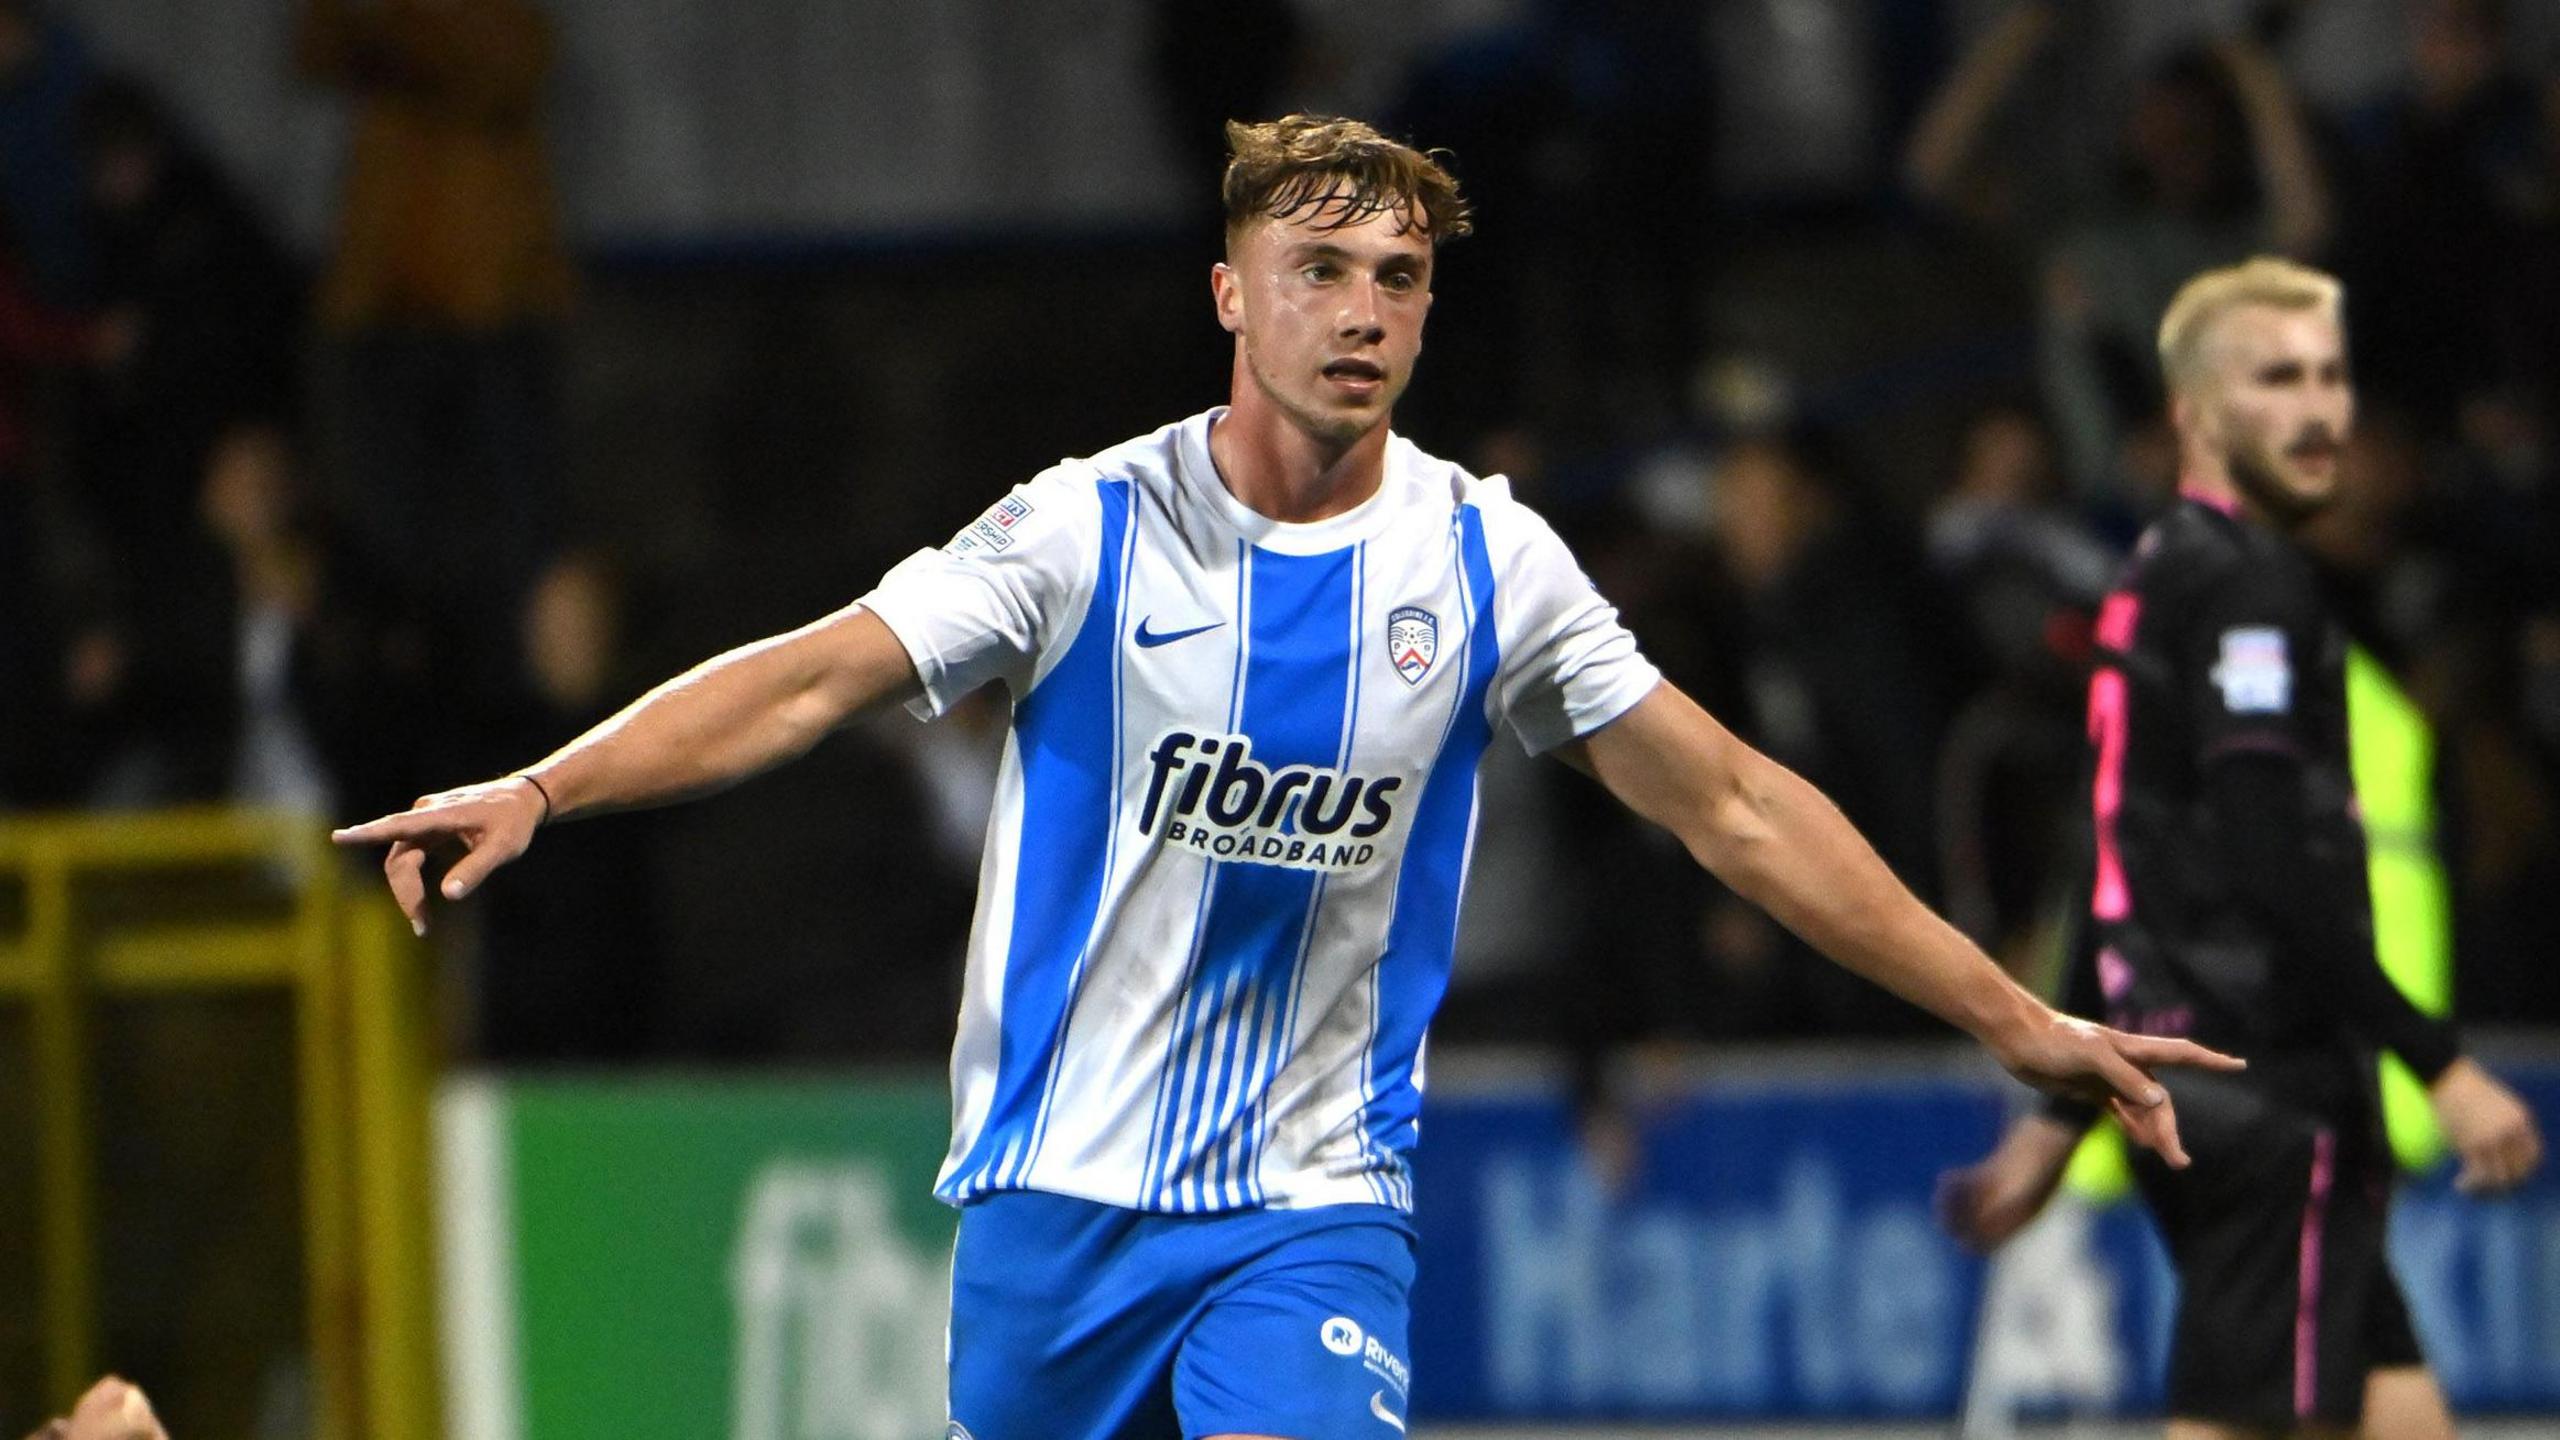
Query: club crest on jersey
1413, 640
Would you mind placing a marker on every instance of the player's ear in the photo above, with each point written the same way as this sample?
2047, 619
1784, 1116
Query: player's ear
1227, 289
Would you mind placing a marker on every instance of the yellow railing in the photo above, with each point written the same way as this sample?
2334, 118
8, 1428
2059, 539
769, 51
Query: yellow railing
363, 1070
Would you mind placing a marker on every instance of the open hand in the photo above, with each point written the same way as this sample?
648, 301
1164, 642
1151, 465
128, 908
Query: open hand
491, 823
2489, 1128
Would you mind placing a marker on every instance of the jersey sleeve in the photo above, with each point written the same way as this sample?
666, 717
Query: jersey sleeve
2318, 915
1568, 666
2244, 658
996, 602
2243, 667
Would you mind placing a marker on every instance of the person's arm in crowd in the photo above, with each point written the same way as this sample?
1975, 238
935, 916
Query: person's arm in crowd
1777, 842
2299, 212
1950, 129
718, 723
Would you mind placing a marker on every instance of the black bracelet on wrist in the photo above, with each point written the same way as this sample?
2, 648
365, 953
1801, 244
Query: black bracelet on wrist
527, 777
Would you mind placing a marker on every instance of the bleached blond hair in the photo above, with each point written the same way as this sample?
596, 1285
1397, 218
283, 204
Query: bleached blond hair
2265, 280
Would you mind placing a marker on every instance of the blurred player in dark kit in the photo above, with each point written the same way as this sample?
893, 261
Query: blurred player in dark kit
2230, 905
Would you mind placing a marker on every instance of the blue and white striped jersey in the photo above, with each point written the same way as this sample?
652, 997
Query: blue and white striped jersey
1220, 888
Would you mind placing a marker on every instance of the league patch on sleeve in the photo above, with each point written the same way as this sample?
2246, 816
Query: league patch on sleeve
2255, 674
993, 531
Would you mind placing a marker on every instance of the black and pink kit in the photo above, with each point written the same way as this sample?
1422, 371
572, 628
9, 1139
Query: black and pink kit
2229, 903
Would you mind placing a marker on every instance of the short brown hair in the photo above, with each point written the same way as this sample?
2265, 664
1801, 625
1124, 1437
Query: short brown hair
2266, 280
1278, 167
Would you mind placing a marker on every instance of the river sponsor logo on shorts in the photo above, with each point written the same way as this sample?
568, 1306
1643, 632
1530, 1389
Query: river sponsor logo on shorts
1206, 793
1343, 1336
1413, 641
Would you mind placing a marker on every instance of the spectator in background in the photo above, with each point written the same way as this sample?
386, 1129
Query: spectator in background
184, 258
2447, 588
2439, 172
574, 973
2004, 534
441, 310
252, 505
44, 69
1595, 118
54, 668
2026, 574
2213, 162
1837, 627
206, 302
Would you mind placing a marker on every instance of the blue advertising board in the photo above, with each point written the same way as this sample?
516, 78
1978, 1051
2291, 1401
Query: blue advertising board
1772, 1255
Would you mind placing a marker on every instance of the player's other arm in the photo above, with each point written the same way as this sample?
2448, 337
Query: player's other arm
2261, 809
1983, 1204
716, 724
1764, 831
2240, 677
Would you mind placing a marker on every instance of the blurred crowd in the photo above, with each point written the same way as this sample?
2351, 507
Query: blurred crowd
1822, 328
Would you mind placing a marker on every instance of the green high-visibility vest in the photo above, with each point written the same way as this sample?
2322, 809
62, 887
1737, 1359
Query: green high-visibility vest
2392, 750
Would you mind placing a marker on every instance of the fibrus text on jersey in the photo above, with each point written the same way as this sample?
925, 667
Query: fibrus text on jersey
1208, 793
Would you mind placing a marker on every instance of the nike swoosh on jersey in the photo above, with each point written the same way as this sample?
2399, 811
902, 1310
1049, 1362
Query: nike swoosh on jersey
1378, 1407
1150, 639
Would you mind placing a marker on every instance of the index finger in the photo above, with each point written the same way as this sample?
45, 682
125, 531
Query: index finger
2150, 1050
407, 825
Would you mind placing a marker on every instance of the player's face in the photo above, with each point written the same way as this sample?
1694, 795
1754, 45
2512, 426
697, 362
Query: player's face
2278, 406
1328, 320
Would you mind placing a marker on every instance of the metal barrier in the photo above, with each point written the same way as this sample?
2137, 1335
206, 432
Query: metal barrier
364, 1069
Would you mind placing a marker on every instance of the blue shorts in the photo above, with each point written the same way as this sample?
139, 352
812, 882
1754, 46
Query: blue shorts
1073, 1320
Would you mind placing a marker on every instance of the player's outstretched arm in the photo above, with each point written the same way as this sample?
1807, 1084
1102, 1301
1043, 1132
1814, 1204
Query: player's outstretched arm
1773, 838
712, 726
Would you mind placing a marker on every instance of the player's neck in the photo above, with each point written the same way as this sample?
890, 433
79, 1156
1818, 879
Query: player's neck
2212, 485
2206, 487
1278, 470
